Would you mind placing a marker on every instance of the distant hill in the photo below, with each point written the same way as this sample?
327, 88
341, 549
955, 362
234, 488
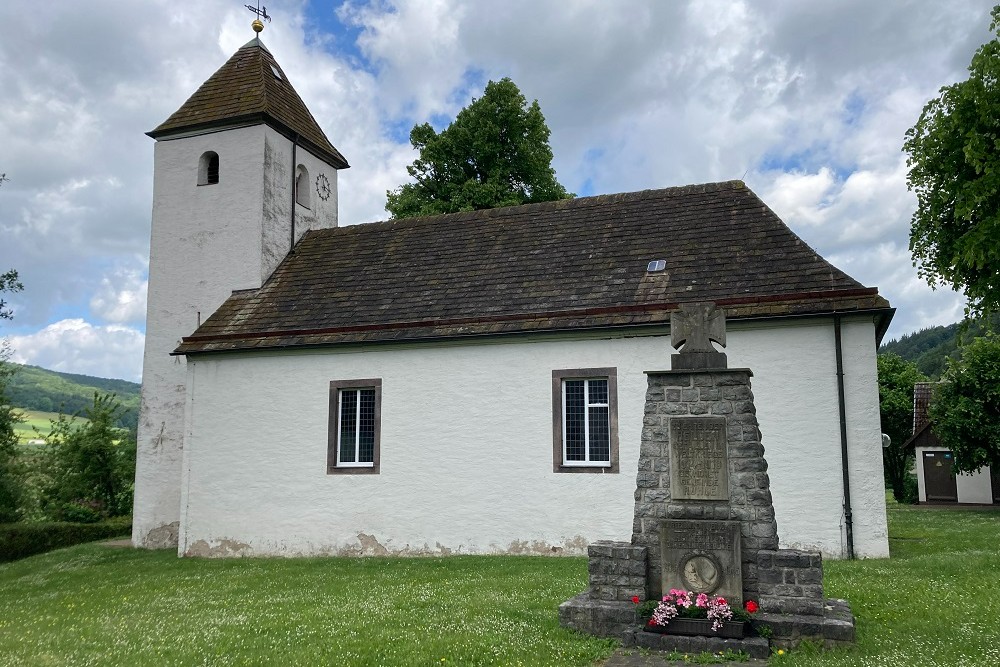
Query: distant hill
930, 348
34, 388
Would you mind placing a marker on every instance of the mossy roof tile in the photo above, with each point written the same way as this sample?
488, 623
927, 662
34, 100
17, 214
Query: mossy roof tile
563, 265
246, 90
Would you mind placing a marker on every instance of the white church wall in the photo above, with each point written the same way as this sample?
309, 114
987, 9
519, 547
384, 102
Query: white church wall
466, 446
793, 383
277, 200
206, 241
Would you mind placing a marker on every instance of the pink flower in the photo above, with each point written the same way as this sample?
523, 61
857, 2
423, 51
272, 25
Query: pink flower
701, 600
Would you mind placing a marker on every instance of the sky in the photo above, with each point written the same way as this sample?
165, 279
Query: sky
807, 102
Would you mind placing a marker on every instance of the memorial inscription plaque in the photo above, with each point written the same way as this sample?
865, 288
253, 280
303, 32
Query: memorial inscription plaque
702, 556
699, 464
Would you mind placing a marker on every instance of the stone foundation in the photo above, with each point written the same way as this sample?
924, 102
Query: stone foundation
617, 571
791, 582
756, 647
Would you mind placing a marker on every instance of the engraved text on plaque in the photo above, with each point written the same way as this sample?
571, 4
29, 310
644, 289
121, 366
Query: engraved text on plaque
699, 465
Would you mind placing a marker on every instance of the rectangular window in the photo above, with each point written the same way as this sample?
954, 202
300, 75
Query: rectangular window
355, 416
585, 420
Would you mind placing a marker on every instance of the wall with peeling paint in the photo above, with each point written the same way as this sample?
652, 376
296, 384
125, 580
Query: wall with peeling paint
466, 445
206, 241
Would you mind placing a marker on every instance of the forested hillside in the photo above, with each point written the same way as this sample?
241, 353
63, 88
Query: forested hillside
930, 348
34, 388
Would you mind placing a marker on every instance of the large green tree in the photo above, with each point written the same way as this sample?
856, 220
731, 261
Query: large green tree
495, 153
954, 169
966, 406
10, 481
896, 378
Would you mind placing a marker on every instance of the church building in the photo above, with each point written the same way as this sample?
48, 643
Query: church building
464, 383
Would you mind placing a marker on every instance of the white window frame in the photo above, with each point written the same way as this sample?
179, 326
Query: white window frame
587, 405
341, 463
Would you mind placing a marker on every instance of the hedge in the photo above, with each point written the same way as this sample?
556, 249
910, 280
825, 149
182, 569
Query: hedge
20, 540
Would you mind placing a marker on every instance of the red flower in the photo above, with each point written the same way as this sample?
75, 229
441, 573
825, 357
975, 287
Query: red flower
635, 599
651, 623
752, 606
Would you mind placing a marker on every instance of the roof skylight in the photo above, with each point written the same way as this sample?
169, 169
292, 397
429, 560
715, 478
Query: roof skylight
277, 74
656, 265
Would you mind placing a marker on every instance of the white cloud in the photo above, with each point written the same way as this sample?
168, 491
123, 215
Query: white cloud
121, 297
808, 100
76, 346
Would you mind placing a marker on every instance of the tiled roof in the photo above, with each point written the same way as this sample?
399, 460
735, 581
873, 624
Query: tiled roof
563, 265
922, 392
246, 90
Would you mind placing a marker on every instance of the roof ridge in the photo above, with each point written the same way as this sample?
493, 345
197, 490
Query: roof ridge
501, 212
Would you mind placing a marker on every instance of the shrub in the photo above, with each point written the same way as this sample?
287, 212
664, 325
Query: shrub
20, 540
92, 465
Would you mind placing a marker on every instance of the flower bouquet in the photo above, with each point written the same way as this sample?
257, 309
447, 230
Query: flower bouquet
690, 613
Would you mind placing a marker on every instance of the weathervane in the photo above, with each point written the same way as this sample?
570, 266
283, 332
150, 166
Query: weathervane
261, 13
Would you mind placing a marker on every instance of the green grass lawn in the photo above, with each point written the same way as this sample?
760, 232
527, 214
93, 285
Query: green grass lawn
103, 606
33, 419
935, 603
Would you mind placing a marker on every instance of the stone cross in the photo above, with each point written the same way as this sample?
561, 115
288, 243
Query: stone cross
695, 326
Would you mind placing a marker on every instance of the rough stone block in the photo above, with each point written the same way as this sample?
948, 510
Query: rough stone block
657, 495
674, 379
811, 575
761, 529
600, 549
738, 393
647, 480
814, 591
626, 593
749, 465
690, 395
603, 592
791, 558
722, 408
770, 577
839, 631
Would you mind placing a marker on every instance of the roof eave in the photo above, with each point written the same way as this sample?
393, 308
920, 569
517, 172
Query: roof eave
190, 344
337, 160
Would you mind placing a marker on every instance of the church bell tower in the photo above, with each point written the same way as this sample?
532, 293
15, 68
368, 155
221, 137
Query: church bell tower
240, 171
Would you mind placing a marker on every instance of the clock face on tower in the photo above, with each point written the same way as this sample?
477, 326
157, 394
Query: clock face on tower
323, 187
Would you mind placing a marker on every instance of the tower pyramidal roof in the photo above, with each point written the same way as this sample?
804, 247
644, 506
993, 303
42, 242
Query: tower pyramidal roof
251, 88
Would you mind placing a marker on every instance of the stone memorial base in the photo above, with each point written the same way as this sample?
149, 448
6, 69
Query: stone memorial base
791, 602
755, 647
